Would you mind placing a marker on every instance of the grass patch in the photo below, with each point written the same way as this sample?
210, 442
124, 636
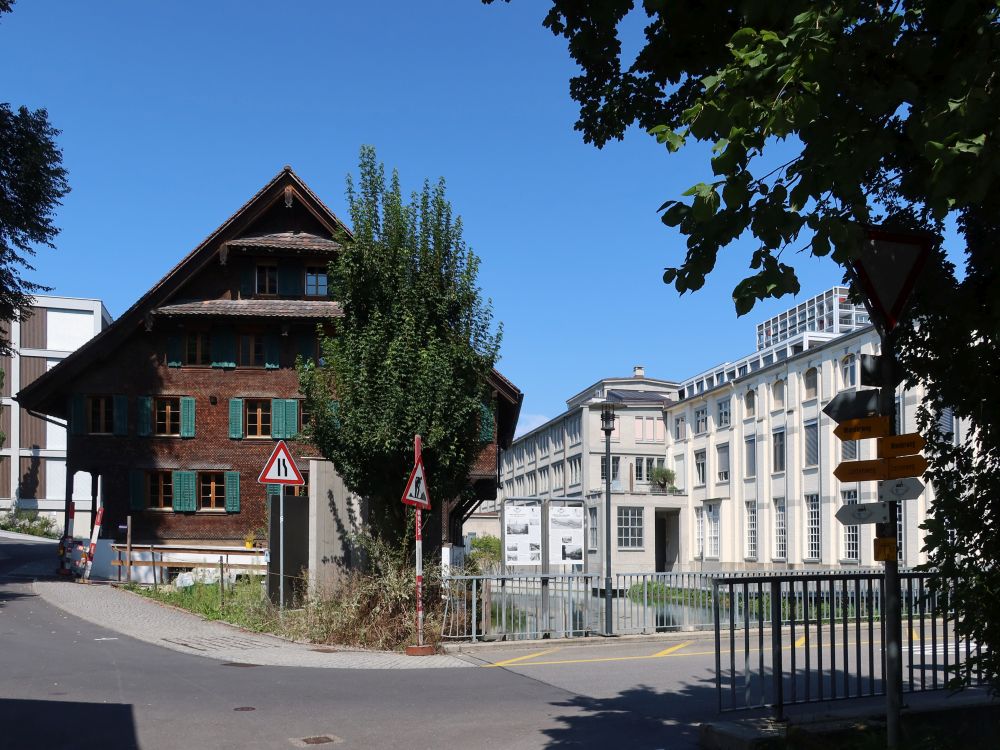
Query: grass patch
371, 609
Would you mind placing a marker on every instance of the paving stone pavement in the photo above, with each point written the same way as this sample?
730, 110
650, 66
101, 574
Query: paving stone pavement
149, 621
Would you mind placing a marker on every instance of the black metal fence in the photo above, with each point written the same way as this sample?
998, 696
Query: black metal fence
783, 640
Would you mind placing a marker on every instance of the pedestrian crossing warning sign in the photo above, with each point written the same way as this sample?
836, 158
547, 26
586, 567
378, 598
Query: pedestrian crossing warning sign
416, 488
280, 467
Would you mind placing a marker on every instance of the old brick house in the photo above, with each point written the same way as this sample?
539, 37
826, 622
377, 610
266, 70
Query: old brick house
177, 405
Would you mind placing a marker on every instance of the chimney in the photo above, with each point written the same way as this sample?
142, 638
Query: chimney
638, 371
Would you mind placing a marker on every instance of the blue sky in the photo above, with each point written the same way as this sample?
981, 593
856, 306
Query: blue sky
173, 114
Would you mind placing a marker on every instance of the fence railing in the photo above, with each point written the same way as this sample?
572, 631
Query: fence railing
782, 639
536, 605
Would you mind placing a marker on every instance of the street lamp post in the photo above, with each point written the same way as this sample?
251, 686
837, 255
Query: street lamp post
607, 426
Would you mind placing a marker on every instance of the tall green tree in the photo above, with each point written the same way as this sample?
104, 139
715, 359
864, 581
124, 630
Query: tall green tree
412, 352
824, 117
32, 184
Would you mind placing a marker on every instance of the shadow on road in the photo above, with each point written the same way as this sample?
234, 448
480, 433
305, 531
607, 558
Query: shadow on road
639, 717
30, 724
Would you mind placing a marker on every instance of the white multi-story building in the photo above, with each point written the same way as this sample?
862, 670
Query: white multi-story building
759, 480
564, 458
33, 456
752, 451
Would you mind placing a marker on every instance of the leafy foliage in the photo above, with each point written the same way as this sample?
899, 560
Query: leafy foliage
30, 522
486, 555
32, 184
412, 353
884, 113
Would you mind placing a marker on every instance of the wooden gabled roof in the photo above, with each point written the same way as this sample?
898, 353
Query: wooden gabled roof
46, 393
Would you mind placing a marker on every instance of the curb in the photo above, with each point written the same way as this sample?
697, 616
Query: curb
26, 537
595, 641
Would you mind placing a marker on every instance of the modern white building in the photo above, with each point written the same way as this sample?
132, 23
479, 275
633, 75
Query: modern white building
33, 456
564, 458
755, 457
752, 451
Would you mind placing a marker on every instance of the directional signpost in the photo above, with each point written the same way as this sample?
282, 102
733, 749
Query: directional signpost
416, 495
855, 513
887, 268
859, 429
280, 469
900, 489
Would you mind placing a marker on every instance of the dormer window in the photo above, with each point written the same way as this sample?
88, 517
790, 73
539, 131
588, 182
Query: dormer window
267, 279
316, 282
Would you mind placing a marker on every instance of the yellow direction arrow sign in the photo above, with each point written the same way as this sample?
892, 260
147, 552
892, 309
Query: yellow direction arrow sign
860, 471
859, 429
885, 550
900, 445
904, 466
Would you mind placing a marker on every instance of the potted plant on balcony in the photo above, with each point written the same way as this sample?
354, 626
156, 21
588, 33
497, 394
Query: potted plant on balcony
662, 478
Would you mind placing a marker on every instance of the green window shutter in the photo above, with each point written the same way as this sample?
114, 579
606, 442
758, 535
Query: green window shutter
137, 489
236, 418
291, 417
485, 424
185, 499
223, 345
272, 351
278, 418
335, 412
291, 282
187, 417
119, 415
274, 490
175, 351
232, 492
247, 278
77, 414
144, 416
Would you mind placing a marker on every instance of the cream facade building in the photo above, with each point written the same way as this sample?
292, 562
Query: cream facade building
752, 451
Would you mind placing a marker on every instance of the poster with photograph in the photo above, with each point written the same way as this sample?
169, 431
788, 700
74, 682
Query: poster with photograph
565, 534
522, 534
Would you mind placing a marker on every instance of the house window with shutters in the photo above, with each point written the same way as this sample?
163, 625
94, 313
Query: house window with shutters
316, 282
258, 417
168, 416
211, 490
197, 349
722, 457
750, 403
160, 490
100, 415
811, 383
267, 279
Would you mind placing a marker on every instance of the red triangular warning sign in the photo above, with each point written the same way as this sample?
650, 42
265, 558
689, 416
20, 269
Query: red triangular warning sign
416, 488
888, 268
280, 467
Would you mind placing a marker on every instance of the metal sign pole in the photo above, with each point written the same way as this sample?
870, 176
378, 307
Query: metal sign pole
420, 580
281, 549
893, 616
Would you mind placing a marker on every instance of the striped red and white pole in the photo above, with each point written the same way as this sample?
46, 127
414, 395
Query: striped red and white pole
93, 541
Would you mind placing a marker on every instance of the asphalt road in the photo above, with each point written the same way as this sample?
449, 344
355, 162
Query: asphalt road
68, 683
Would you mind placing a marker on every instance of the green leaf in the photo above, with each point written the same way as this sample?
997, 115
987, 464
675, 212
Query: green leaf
743, 38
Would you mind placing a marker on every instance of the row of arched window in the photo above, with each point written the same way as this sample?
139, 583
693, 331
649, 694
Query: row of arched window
810, 384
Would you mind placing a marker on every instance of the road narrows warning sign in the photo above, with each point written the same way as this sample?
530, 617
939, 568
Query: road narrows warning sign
280, 467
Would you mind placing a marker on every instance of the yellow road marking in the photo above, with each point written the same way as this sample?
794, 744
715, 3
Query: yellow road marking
525, 663
522, 658
667, 651
800, 642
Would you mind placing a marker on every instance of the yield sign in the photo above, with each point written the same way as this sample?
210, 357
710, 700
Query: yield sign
888, 268
416, 489
280, 467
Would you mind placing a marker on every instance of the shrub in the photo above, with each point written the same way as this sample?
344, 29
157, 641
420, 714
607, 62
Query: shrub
29, 522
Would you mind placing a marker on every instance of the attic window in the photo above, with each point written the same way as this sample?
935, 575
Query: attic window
267, 279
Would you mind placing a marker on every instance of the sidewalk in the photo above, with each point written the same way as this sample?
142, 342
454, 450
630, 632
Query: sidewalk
149, 621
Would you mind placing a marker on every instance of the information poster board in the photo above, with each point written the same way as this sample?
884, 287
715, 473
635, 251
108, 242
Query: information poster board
523, 534
565, 534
